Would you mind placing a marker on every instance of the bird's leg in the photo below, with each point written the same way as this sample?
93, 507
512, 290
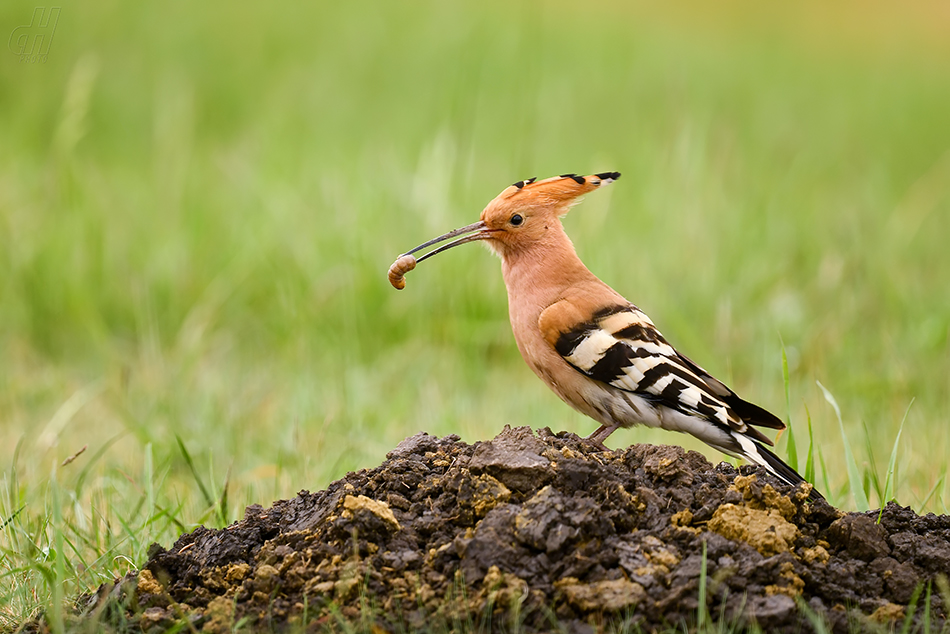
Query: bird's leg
599, 436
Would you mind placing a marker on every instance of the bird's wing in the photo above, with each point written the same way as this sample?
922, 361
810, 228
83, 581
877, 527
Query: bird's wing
621, 347
749, 412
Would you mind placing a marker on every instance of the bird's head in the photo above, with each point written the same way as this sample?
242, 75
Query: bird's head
524, 214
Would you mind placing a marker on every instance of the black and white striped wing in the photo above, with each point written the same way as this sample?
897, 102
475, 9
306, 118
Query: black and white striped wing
620, 346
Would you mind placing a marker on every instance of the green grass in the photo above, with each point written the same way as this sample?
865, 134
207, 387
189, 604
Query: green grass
198, 205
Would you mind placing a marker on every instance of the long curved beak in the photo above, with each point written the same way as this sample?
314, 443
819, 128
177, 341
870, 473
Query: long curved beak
475, 231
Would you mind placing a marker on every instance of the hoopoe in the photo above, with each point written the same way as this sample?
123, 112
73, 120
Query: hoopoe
593, 348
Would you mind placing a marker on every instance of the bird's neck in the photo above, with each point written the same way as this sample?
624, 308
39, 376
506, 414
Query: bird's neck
537, 276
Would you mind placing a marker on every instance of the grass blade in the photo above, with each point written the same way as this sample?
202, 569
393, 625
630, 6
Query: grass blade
93, 460
223, 500
58, 597
12, 517
933, 489
702, 616
926, 624
889, 483
148, 474
810, 459
912, 609
854, 476
791, 449
813, 617
194, 472
944, 587
824, 471
172, 517
870, 474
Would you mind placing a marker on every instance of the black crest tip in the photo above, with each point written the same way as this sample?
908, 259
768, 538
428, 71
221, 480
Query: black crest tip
608, 176
577, 179
527, 181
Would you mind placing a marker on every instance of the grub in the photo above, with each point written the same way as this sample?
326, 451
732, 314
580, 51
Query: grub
532, 526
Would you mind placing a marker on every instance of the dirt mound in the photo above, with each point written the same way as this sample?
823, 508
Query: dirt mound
528, 530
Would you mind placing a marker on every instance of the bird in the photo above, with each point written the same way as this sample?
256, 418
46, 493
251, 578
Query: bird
596, 350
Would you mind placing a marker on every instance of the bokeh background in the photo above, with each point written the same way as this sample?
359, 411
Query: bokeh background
199, 203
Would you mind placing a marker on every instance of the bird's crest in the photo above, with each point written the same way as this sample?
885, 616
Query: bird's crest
558, 189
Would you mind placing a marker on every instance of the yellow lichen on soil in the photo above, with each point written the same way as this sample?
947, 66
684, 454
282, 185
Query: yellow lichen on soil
348, 582
888, 613
661, 559
345, 589
771, 499
219, 615
683, 519
794, 584
567, 453
354, 503
489, 492
815, 553
766, 531
610, 595
148, 583
501, 588
237, 572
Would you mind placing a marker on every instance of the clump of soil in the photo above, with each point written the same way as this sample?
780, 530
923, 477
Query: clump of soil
530, 530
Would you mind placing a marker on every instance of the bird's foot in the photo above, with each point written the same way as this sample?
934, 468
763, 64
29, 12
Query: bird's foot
598, 444
598, 437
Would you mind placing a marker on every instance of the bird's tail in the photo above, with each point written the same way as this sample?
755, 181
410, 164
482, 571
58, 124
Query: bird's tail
757, 453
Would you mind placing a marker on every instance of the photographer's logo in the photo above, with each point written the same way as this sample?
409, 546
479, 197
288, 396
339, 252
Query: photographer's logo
31, 42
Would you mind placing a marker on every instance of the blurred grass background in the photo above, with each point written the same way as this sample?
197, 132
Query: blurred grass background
198, 205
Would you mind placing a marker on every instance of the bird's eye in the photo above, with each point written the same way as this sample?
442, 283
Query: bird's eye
516, 220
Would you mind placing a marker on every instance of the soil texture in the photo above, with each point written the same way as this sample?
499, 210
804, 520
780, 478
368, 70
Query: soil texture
534, 531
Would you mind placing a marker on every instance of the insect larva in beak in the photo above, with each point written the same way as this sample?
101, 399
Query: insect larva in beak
397, 272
